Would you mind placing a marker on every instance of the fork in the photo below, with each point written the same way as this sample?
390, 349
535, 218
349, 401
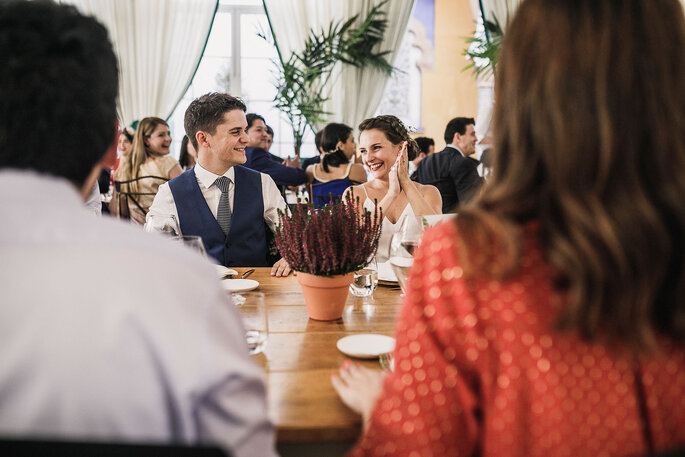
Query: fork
386, 361
243, 276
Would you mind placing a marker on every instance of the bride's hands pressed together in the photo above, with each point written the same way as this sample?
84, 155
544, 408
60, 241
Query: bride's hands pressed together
402, 166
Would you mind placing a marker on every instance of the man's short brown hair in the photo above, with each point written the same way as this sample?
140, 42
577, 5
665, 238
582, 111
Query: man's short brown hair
206, 112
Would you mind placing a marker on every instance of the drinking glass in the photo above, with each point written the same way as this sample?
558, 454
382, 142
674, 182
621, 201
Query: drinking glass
193, 242
170, 227
403, 244
252, 310
365, 280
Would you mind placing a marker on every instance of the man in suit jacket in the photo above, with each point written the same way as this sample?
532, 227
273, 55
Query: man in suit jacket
233, 208
287, 173
451, 170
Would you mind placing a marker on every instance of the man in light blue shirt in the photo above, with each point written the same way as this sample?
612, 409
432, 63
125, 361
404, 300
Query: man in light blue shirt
107, 333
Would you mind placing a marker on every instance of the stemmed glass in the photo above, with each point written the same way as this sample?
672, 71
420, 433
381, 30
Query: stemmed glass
403, 244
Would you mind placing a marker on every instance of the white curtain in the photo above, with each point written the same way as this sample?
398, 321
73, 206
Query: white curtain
159, 44
503, 10
354, 94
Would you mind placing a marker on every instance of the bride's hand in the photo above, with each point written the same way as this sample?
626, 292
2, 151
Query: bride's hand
394, 187
402, 165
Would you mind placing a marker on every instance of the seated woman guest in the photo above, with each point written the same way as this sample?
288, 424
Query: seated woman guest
124, 144
548, 319
149, 160
336, 172
383, 144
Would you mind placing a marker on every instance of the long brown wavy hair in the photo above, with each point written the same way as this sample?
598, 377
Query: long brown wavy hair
589, 128
140, 152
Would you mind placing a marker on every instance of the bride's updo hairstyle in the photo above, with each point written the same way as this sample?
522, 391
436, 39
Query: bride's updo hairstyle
393, 129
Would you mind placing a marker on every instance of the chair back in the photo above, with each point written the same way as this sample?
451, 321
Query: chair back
132, 196
330, 192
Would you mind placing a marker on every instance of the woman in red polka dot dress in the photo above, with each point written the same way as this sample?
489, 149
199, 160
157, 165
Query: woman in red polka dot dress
549, 318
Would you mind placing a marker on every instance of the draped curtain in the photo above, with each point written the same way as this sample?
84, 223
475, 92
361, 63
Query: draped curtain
159, 44
354, 94
503, 10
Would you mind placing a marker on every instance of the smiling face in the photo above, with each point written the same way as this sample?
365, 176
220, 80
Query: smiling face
123, 145
257, 134
378, 153
225, 148
467, 142
159, 140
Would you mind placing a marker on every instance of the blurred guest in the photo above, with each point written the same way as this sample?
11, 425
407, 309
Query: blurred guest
188, 155
383, 142
452, 170
548, 319
149, 160
269, 143
319, 152
160, 358
124, 144
285, 174
233, 208
426, 147
336, 172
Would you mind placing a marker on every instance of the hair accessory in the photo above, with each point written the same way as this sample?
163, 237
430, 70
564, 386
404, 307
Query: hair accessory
128, 133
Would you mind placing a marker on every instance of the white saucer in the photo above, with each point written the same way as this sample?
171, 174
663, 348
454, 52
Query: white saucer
223, 271
366, 346
239, 285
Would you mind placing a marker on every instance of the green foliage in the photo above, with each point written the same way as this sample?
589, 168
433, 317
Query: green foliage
302, 79
483, 51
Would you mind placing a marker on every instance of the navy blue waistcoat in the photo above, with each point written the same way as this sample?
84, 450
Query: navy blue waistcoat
246, 242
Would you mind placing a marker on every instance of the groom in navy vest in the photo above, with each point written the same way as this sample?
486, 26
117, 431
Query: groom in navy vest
234, 209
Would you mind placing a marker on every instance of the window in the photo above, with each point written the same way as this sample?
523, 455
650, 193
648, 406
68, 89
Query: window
237, 61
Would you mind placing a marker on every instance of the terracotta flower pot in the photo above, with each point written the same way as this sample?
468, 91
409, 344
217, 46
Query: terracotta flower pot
325, 296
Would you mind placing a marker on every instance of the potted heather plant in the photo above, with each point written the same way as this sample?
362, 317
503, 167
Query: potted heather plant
325, 247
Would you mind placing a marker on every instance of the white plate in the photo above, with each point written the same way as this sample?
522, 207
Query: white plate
366, 346
239, 285
223, 271
385, 272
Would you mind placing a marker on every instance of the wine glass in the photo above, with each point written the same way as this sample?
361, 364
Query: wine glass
403, 244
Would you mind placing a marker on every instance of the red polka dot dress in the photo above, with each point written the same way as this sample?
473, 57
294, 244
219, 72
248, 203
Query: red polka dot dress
480, 371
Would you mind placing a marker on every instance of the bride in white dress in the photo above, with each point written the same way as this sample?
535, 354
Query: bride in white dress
383, 143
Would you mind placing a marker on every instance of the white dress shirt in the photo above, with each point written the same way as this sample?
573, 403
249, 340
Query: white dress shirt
94, 202
164, 205
109, 333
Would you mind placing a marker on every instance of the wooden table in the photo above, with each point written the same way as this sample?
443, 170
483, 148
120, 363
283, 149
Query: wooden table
301, 355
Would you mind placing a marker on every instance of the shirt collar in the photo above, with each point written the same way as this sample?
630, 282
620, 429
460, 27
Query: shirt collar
454, 147
207, 178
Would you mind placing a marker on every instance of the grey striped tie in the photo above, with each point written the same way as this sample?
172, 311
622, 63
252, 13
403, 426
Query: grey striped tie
223, 212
